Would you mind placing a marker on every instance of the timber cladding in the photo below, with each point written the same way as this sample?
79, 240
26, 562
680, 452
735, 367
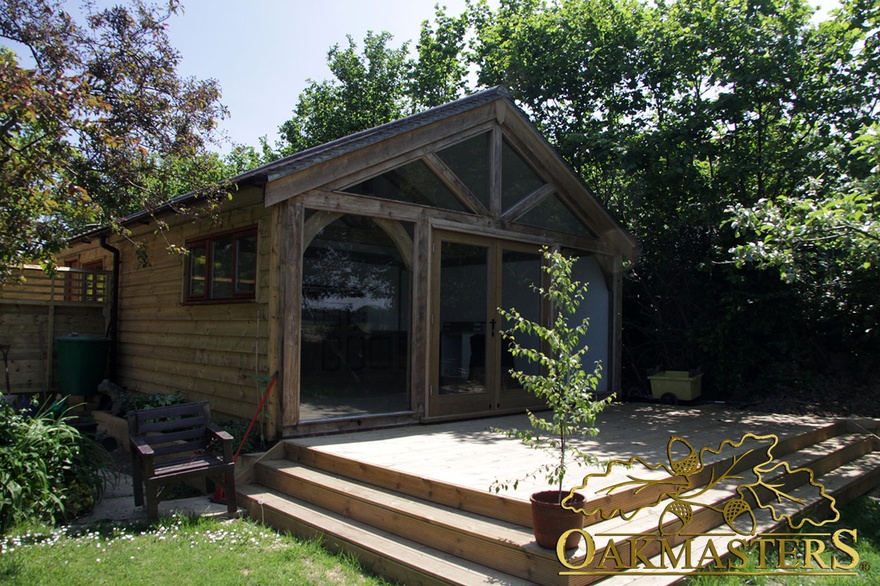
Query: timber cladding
208, 351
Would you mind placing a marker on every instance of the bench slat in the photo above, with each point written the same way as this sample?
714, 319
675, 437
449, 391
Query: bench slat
172, 424
195, 466
180, 448
171, 411
187, 435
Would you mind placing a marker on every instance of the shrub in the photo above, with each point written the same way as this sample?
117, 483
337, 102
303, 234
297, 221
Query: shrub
134, 401
49, 472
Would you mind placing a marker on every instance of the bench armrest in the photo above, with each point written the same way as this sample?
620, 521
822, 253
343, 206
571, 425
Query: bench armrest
141, 446
141, 449
224, 437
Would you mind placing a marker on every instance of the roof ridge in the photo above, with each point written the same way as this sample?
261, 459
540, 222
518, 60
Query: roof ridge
321, 152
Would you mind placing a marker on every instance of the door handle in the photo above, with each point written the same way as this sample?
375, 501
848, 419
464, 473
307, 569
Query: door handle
493, 326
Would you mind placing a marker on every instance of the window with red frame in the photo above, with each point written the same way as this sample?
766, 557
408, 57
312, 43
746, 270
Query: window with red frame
222, 267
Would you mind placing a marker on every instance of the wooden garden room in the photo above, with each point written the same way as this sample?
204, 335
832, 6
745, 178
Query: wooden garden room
367, 272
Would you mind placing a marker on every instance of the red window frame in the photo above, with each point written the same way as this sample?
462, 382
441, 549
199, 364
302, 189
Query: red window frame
209, 290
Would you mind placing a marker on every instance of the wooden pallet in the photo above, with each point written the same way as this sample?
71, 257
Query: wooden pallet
421, 531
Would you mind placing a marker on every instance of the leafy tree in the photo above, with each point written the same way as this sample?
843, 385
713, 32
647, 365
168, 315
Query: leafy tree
370, 91
827, 246
379, 85
842, 218
92, 113
568, 390
795, 234
243, 158
675, 113
439, 74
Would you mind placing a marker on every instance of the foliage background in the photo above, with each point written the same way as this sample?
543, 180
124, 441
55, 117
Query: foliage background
49, 472
735, 139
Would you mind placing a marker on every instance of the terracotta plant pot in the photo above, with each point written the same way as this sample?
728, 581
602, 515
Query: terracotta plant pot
550, 520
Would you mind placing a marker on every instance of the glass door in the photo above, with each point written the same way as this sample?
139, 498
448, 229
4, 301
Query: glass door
461, 320
470, 359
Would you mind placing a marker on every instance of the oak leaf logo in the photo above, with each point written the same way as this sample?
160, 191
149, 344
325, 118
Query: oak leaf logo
692, 480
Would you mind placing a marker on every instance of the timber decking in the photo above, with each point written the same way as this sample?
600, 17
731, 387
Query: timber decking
413, 503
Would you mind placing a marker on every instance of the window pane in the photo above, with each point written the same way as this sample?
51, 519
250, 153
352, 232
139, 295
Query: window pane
355, 322
221, 268
552, 214
197, 259
412, 183
469, 160
520, 272
95, 285
463, 291
246, 277
594, 306
517, 178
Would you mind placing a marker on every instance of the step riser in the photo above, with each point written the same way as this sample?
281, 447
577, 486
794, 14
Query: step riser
432, 532
379, 564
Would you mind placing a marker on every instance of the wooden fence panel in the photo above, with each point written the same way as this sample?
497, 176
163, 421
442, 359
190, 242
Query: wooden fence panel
38, 308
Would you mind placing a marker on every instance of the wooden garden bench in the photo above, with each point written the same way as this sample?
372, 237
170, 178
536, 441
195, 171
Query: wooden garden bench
175, 443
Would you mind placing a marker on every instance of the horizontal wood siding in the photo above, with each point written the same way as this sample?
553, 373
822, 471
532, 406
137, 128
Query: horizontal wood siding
214, 352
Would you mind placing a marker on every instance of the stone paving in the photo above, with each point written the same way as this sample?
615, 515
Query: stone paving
117, 504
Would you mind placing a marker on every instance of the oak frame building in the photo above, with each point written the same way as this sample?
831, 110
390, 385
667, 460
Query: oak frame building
367, 272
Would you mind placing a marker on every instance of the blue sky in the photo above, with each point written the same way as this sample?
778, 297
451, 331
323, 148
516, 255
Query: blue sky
263, 51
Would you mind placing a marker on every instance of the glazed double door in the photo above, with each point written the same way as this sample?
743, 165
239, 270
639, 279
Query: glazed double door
471, 361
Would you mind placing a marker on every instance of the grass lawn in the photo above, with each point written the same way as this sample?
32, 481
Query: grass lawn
863, 515
176, 551
195, 552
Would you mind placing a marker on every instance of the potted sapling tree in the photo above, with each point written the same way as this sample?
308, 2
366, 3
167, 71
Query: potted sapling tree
569, 392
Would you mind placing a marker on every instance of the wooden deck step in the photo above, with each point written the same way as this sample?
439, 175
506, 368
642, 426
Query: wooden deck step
469, 536
400, 524
828, 460
481, 502
501, 507
824, 443
381, 552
